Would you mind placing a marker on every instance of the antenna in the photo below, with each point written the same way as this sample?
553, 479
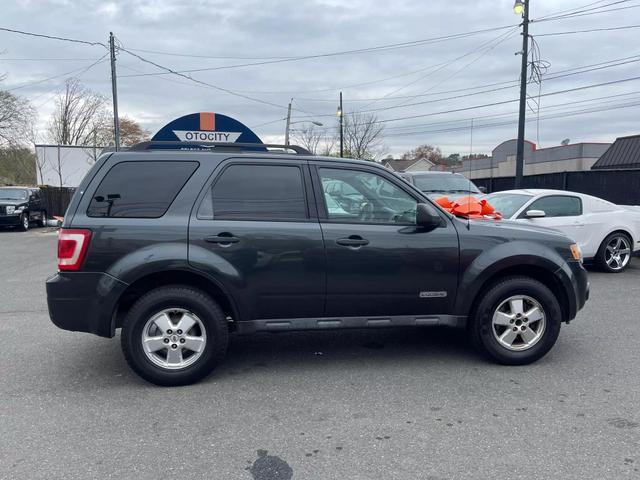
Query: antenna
565, 142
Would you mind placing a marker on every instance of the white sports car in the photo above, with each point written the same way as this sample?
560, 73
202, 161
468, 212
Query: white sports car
607, 233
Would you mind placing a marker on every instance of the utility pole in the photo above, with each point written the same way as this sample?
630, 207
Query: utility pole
114, 90
340, 116
523, 94
286, 130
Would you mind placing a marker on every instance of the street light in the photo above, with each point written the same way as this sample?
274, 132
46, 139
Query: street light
518, 7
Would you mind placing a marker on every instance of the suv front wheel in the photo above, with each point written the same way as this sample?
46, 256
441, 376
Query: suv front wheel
516, 322
174, 335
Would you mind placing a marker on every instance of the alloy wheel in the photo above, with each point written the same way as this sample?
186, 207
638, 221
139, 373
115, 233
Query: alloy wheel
617, 252
518, 323
174, 338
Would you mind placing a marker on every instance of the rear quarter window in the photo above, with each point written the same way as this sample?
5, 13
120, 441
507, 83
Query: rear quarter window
140, 189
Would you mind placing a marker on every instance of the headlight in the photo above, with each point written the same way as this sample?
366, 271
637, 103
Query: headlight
10, 209
576, 252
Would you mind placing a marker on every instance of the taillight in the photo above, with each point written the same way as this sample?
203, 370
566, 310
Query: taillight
72, 248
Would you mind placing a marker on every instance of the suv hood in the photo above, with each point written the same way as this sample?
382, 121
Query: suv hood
15, 203
450, 195
520, 229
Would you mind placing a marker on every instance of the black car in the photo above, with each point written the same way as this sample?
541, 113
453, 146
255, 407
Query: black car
438, 184
20, 206
181, 248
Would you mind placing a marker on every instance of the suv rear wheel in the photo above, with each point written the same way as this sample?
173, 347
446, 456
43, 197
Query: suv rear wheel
516, 322
174, 335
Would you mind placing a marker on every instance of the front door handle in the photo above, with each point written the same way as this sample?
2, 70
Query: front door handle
223, 238
353, 241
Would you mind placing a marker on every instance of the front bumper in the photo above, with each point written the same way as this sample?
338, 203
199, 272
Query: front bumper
579, 288
84, 301
6, 220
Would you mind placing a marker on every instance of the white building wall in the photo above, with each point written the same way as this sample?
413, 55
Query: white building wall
73, 161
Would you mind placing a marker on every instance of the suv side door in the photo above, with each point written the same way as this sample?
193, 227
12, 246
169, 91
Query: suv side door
254, 229
379, 263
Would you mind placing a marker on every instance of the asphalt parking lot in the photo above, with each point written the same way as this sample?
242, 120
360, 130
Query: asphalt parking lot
382, 404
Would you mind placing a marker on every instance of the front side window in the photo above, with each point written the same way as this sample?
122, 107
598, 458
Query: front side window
256, 192
507, 204
140, 189
558, 206
362, 196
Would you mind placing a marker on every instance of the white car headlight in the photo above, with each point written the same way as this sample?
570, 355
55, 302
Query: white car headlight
10, 209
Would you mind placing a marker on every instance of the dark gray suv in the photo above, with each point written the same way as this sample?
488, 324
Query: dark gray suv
181, 248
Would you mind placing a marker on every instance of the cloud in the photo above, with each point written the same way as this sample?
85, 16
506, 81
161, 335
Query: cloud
253, 31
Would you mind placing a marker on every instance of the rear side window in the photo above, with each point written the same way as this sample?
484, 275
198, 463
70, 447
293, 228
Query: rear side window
256, 192
140, 189
558, 206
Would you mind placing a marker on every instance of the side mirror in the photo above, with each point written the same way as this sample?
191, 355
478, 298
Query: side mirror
427, 216
535, 214
482, 189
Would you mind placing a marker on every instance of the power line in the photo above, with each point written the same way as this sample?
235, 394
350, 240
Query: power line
498, 40
586, 31
587, 13
512, 113
78, 75
44, 59
392, 46
210, 85
574, 9
425, 102
510, 122
585, 87
52, 37
81, 69
507, 84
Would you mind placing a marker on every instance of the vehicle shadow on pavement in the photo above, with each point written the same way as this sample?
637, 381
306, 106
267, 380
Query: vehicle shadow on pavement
309, 352
295, 353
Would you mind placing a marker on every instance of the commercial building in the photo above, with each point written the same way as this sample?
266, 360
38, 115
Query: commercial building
574, 157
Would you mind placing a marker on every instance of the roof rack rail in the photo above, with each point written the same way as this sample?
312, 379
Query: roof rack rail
151, 144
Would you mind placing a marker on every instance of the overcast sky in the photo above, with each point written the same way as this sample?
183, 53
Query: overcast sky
181, 35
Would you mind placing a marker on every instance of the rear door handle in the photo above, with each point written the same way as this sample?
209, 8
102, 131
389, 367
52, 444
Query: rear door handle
353, 241
223, 238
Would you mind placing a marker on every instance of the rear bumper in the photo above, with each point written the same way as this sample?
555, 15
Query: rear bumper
84, 301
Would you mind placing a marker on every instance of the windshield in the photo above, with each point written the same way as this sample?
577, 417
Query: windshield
13, 194
444, 183
507, 204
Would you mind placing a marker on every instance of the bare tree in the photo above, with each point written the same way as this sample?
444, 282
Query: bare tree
102, 135
16, 118
429, 152
57, 165
363, 136
33, 137
78, 116
316, 140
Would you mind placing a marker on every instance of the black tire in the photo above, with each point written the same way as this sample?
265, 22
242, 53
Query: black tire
600, 259
175, 296
24, 222
43, 218
481, 327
